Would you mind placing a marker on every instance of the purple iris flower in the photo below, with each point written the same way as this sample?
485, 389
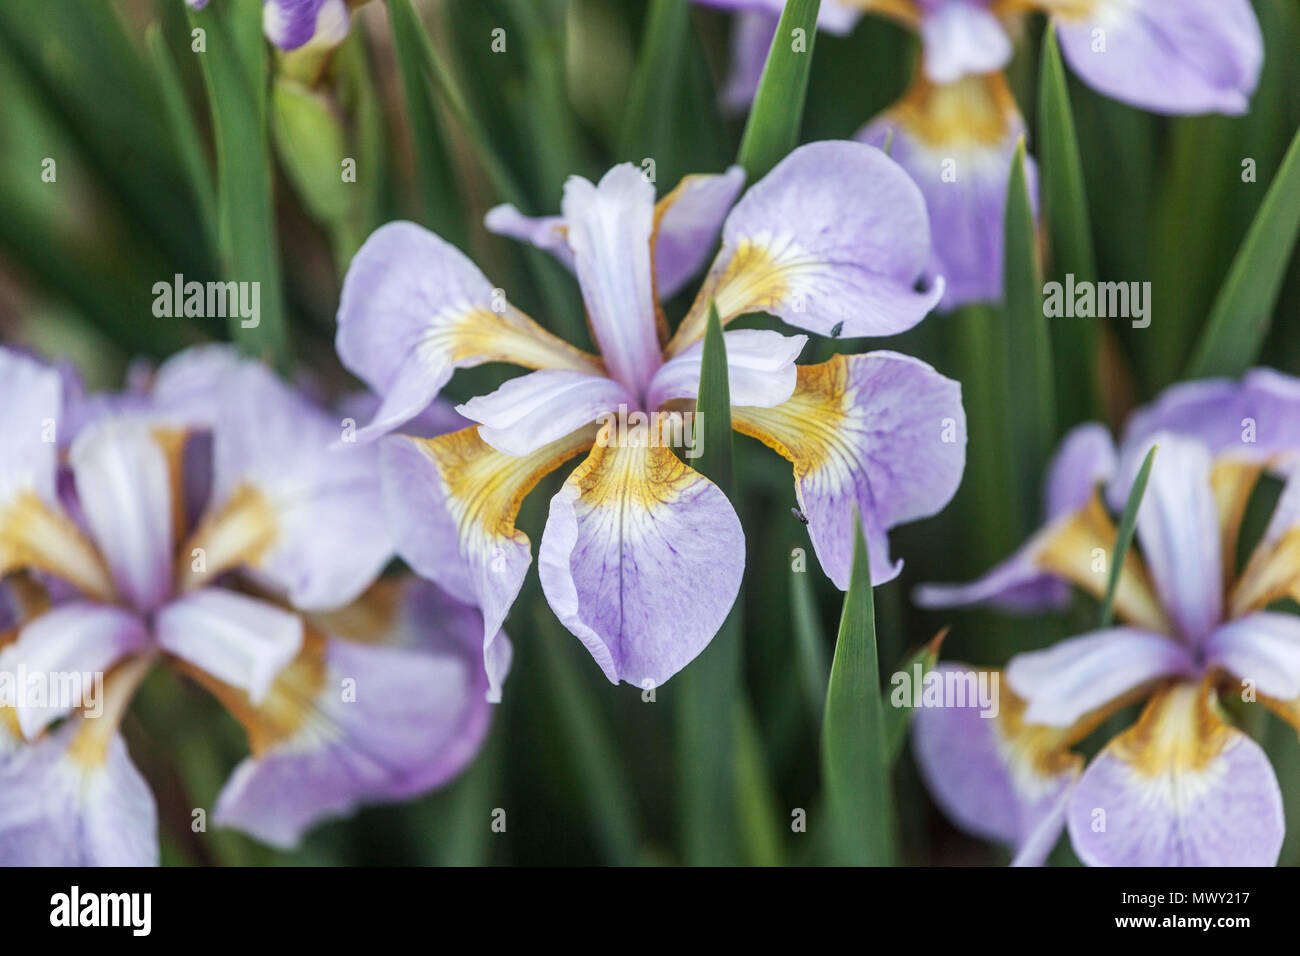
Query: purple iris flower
957, 127
642, 556
351, 691
1182, 786
290, 24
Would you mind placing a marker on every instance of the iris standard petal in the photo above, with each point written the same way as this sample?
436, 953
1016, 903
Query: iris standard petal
451, 503
1179, 788
687, 222
957, 142
65, 653
1076, 676
190, 387
549, 233
881, 433
290, 24
610, 227
962, 38
1261, 648
994, 776
301, 513
1168, 56
62, 807
641, 559
834, 239
536, 409
241, 640
351, 724
414, 308
760, 369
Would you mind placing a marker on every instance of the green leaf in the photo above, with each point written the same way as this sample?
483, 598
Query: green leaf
809, 643
855, 761
650, 117
756, 809
898, 718
1030, 391
772, 129
706, 692
1243, 310
234, 72
1065, 210
1124, 536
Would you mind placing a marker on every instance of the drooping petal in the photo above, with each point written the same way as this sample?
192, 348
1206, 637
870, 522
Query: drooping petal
64, 805
687, 222
994, 776
760, 369
834, 240
290, 24
881, 433
549, 233
413, 309
61, 652
1178, 527
451, 503
536, 409
1081, 674
641, 559
962, 38
610, 227
957, 142
238, 639
1168, 56
124, 483
302, 514
1020, 584
349, 724
1179, 788
1262, 648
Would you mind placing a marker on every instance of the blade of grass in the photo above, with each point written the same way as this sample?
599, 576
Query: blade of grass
652, 116
855, 763
1243, 311
759, 822
772, 129
1124, 536
810, 644
1065, 202
707, 690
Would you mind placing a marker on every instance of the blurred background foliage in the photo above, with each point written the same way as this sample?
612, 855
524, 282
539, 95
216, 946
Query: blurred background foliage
111, 90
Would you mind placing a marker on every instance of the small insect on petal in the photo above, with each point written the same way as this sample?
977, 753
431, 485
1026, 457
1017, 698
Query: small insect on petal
803, 518
836, 329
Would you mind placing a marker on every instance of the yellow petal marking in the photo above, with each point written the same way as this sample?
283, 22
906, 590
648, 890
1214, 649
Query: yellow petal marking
35, 536
242, 531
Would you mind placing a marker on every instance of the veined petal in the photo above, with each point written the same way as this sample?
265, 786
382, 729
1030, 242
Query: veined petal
686, 226
760, 369
1179, 788
1168, 56
124, 483
300, 513
957, 142
290, 24
58, 808
1263, 648
1081, 674
610, 228
641, 559
834, 239
414, 308
66, 651
881, 433
350, 724
451, 503
995, 776
962, 38
238, 639
533, 410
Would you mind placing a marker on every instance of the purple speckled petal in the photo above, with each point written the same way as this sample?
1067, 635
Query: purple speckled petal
386, 724
881, 433
1081, 674
957, 142
1263, 648
123, 482
689, 219
534, 410
610, 226
760, 369
316, 500
987, 778
1169, 56
290, 24
641, 559
835, 239
57, 809
72, 642
1180, 788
